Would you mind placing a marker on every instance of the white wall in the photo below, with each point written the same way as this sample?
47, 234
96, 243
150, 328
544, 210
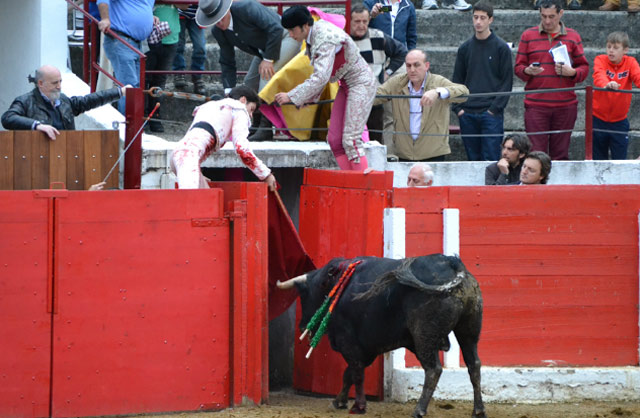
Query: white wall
32, 33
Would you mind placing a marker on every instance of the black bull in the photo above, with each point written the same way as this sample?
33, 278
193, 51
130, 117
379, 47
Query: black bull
387, 304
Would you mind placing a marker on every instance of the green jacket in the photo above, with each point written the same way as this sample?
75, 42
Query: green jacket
435, 119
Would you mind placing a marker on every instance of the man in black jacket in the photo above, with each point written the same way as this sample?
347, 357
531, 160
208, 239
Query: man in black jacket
47, 110
515, 148
483, 64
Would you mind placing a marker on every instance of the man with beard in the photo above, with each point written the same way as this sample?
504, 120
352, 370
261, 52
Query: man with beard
515, 148
47, 110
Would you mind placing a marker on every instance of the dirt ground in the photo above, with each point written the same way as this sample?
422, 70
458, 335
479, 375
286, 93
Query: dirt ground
290, 405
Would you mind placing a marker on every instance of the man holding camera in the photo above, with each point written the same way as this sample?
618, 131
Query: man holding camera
535, 65
396, 18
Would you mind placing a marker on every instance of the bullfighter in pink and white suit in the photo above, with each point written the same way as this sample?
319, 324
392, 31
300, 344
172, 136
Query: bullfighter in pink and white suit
214, 124
334, 57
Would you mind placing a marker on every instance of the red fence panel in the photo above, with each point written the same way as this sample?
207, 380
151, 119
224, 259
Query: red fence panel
142, 303
340, 216
247, 208
25, 328
558, 267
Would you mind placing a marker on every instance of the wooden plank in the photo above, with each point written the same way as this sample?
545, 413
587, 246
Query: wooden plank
58, 161
421, 200
75, 166
6, 160
551, 260
92, 159
519, 290
560, 351
378, 180
423, 244
416, 223
40, 161
569, 228
109, 153
545, 200
22, 160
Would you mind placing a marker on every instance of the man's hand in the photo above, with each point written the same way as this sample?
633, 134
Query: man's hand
282, 98
49, 130
461, 112
375, 10
429, 98
156, 20
104, 25
266, 70
564, 70
98, 186
271, 182
503, 166
612, 85
123, 90
533, 70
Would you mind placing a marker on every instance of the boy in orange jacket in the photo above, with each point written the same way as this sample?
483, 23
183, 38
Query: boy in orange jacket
613, 71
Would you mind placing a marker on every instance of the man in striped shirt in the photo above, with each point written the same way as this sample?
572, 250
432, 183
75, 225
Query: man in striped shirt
536, 65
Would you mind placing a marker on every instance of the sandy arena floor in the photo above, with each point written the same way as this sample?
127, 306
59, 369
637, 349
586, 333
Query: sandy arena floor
290, 405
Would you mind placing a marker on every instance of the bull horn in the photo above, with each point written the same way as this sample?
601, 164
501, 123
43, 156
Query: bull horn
289, 283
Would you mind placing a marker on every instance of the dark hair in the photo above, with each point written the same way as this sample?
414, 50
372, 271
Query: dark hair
545, 4
243, 91
483, 6
296, 15
520, 142
359, 8
545, 164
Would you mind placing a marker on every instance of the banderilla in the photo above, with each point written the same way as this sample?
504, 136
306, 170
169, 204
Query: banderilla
132, 141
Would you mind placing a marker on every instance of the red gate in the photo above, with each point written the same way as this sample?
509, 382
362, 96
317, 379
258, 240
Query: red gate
25, 328
144, 311
340, 216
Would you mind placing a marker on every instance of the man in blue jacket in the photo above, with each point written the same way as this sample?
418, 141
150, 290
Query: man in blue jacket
396, 18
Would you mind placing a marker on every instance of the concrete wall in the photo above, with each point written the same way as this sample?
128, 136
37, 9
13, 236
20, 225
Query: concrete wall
32, 33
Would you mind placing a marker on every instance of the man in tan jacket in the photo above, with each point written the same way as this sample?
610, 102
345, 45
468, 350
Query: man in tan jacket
421, 124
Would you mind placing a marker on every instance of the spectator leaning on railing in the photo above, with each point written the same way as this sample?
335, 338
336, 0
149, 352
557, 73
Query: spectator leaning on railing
46, 109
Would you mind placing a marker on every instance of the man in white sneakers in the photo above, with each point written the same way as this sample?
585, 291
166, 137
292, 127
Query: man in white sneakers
460, 5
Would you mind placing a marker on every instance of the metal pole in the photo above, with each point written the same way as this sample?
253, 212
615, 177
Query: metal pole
134, 112
588, 123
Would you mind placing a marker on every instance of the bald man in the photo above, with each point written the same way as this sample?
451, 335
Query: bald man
46, 109
420, 175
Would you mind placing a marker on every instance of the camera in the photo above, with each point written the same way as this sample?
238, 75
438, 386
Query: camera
535, 64
385, 9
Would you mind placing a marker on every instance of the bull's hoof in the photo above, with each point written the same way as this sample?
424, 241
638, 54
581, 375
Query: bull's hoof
417, 413
338, 405
357, 410
479, 414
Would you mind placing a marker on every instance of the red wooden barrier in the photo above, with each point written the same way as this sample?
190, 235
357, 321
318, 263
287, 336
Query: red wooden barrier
157, 301
340, 216
25, 325
558, 265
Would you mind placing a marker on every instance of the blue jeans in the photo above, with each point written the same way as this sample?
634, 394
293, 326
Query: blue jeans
605, 141
126, 63
198, 55
488, 146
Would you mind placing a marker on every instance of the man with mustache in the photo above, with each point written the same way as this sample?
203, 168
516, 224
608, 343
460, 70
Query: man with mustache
46, 109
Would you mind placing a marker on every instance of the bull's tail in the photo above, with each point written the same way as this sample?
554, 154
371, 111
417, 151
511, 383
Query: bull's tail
404, 276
